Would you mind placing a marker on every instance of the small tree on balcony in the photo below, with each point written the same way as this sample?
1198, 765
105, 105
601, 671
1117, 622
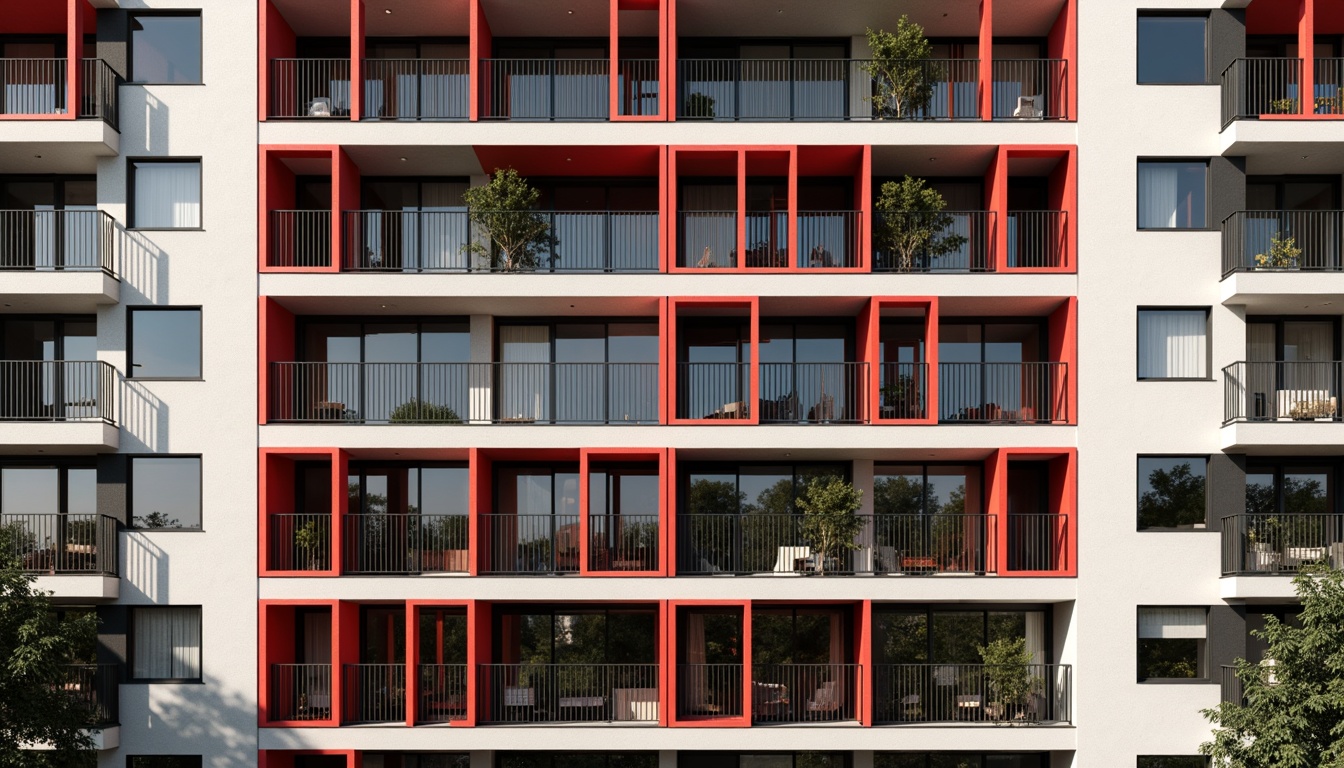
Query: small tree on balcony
910, 221
1009, 675
1283, 254
830, 507
900, 68
516, 233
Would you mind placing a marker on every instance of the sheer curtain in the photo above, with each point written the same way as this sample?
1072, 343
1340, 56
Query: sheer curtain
697, 698
1035, 636
167, 195
1157, 195
1173, 623
525, 383
167, 643
709, 233
1173, 344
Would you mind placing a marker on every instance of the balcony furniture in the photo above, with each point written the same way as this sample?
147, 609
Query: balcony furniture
825, 699
734, 410
439, 707
919, 563
1027, 108
910, 706
1263, 557
328, 411
319, 107
40, 560
769, 700
969, 706
789, 557
444, 560
519, 697
1296, 557
636, 704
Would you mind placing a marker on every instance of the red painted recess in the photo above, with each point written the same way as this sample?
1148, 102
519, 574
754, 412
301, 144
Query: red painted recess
277, 496
70, 19
413, 660
277, 185
277, 630
870, 344
590, 456
573, 161
676, 610
1063, 500
748, 307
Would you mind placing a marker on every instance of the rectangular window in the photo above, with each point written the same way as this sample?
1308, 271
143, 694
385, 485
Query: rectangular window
165, 343
1173, 194
1172, 492
166, 644
1172, 50
166, 48
163, 761
166, 492
1173, 344
1173, 761
1171, 643
165, 194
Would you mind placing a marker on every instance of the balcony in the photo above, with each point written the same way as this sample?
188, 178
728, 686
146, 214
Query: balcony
569, 693
814, 393
1307, 241
65, 258
1282, 391
566, 89
826, 240
300, 692
1269, 87
405, 544
416, 89
623, 543
973, 233
539, 544
374, 693
806, 693
68, 402
300, 239
299, 542
1281, 544
974, 693
1003, 393
442, 693
709, 691
97, 687
713, 391
37, 87
309, 88
63, 550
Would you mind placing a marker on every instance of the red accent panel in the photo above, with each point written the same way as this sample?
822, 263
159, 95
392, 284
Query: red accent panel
1063, 501
480, 47
356, 59
276, 634
674, 305
573, 160
985, 87
276, 332
865, 657
345, 650
668, 48
340, 496
278, 41
1062, 43
870, 329
41, 18
996, 504
345, 197
76, 18
278, 193
1063, 337
1063, 194
277, 494
1276, 17
479, 621
1329, 15
675, 720
1306, 48
617, 455
864, 193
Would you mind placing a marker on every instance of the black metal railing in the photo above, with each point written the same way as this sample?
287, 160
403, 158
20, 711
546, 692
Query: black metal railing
1231, 688
99, 98
1329, 74
97, 687
529, 543
300, 239
1281, 543
1038, 541
65, 240
374, 693
744, 543
1003, 393
1261, 86
945, 693
1036, 240
1283, 241
927, 544
442, 693
767, 238
713, 390
57, 390
300, 542
942, 241
392, 544
33, 86
824, 89
828, 239
416, 89
814, 393
806, 693
623, 542
639, 87
1274, 391
709, 690
70, 543
1031, 89
568, 693
457, 393
309, 88
545, 89
903, 390
708, 239
300, 692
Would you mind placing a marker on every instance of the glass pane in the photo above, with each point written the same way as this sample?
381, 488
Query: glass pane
768, 490
1172, 491
1260, 498
81, 491
29, 491
166, 49
1172, 195
1171, 49
166, 344
445, 343
444, 490
957, 637
167, 195
1167, 658
166, 493
898, 490
902, 638
1306, 491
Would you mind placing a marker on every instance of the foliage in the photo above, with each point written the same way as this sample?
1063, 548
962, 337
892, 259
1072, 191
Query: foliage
310, 539
901, 395
157, 519
416, 411
35, 647
1175, 498
1283, 106
1295, 719
699, 105
1283, 253
830, 517
902, 82
910, 222
1008, 672
505, 209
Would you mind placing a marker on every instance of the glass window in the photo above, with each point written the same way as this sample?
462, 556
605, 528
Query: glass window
166, 49
1171, 49
1173, 343
1171, 643
1173, 194
165, 194
166, 492
1172, 492
166, 643
163, 761
1173, 761
165, 343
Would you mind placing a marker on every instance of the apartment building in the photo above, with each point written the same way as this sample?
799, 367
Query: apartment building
345, 488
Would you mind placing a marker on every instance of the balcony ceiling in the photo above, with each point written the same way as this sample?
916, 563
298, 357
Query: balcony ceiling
417, 18
503, 305
1270, 158
799, 18
932, 160
315, 18
557, 18
419, 160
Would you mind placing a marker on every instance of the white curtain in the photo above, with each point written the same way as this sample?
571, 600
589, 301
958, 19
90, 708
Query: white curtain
167, 195
1173, 344
697, 682
316, 638
1035, 636
709, 234
167, 643
525, 384
1173, 623
442, 229
1157, 195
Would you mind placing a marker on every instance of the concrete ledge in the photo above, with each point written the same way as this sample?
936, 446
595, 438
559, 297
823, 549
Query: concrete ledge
1283, 437
67, 146
103, 738
58, 437
1302, 137
1279, 291
74, 587
1258, 588
58, 290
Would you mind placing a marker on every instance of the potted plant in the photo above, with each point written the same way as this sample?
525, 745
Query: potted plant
309, 541
900, 398
1283, 106
910, 222
699, 105
517, 234
1264, 549
1283, 254
900, 69
416, 411
1009, 679
830, 522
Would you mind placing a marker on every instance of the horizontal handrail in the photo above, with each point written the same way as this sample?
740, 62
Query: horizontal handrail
1281, 543
395, 544
67, 240
945, 693
309, 88
56, 543
1003, 393
529, 543
623, 542
97, 687
416, 89
374, 693
1283, 241
934, 241
1252, 87
300, 692
57, 390
1282, 391
814, 393
797, 693
569, 693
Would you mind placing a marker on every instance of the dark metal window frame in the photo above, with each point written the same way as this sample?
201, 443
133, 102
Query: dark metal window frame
1208, 497
167, 761
1209, 224
130, 341
924, 473
736, 467
1204, 660
198, 13
302, 324
1144, 13
927, 610
554, 611
132, 646
1208, 342
130, 491
1278, 466
132, 162
361, 470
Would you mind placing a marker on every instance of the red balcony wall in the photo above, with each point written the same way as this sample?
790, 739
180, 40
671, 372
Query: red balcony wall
870, 346
752, 307
276, 633
481, 46
661, 8
413, 657
1063, 342
276, 41
1062, 43
670, 699
275, 329
1063, 501
277, 184
277, 493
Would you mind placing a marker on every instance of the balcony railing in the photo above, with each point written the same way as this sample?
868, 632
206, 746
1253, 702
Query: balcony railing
1031, 89
713, 390
569, 693
1038, 541
374, 693
57, 390
416, 89
1231, 687
436, 241
309, 88
806, 693
814, 393
619, 543
1280, 544
1282, 391
97, 687
828, 239
442, 693
1283, 241
640, 88
1329, 75
397, 544
1003, 393
545, 89
822, 89
458, 393
709, 691
100, 98
708, 239
39, 87
65, 544
50, 241
946, 693
300, 692
300, 542
903, 389
1036, 240
946, 241
530, 543
1255, 87
300, 239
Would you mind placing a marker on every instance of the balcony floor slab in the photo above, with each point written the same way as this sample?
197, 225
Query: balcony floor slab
1283, 437
56, 146
1258, 588
1283, 140
1284, 292
58, 437
58, 291
78, 587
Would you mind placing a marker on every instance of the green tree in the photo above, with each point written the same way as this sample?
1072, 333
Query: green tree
416, 411
1175, 498
901, 70
505, 208
830, 509
1294, 718
910, 222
